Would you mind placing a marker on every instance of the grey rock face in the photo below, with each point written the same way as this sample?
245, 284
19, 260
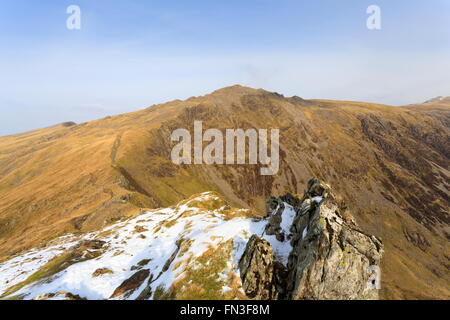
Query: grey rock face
273, 225
62, 295
257, 270
330, 258
271, 204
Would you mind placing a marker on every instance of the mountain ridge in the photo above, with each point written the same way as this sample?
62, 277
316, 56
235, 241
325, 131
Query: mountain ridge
390, 163
204, 249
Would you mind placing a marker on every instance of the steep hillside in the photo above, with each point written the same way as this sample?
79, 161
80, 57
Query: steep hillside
391, 164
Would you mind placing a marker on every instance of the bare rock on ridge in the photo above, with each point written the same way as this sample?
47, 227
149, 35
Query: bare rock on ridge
331, 257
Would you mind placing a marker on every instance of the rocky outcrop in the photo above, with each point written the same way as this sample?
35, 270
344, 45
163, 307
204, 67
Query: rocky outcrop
88, 249
272, 204
275, 207
305, 249
62, 295
257, 270
130, 285
273, 226
101, 271
331, 257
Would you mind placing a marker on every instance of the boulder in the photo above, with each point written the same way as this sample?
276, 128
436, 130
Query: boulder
257, 270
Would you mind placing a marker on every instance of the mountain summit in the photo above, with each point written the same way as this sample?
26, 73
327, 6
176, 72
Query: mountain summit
390, 164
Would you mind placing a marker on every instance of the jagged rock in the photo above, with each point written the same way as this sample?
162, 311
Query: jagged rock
101, 271
91, 244
273, 225
257, 270
173, 256
312, 252
88, 249
331, 258
316, 188
139, 229
131, 284
271, 204
277, 206
140, 264
58, 296
280, 274
78, 222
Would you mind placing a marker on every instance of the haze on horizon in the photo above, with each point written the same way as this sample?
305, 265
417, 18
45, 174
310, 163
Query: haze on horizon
129, 55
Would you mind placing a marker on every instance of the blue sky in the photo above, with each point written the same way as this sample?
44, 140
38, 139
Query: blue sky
135, 53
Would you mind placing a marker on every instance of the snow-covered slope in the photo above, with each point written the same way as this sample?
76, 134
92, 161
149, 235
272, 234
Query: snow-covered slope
190, 251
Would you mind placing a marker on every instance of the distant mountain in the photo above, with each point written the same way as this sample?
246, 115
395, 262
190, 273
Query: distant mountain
439, 99
391, 164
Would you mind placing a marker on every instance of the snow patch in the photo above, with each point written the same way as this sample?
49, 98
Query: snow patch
148, 241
